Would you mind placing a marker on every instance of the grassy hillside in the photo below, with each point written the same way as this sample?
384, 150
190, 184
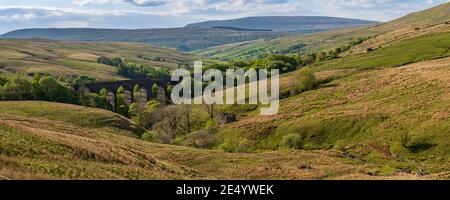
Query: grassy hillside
42, 140
387, 106
395, 118
427, 47
75, 58
434, 20
300, 24
184, 39
303, 43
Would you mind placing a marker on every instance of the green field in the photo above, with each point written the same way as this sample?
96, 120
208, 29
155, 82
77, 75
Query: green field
421, 48
73, 59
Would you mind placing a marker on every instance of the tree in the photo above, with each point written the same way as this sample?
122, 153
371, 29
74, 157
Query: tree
84, 80
308, 59
282, 66
187, 117
168, 126
149, 116
332, 54
104, 60
284, 58
154, 91
210, 109
3, 81
200, 139
134, 109
18, 89
50, 87
321, 56
54, 91
305, 80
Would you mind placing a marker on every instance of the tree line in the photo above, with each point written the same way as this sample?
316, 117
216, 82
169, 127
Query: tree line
133, 70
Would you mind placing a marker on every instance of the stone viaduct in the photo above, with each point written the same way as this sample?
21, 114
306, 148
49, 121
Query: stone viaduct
145, 93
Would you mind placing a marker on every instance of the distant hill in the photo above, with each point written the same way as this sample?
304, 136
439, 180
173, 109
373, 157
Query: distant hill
302, 24
196, 36
184, 39
433, 20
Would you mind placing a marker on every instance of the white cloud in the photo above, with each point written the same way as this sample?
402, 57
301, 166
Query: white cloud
144, 3
173, 13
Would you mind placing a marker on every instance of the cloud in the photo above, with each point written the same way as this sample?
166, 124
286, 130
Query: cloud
144, 3
19, 17
175, 13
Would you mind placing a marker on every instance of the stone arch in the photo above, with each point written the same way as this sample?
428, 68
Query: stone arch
128, 93
112, 97
145, 90
140, 95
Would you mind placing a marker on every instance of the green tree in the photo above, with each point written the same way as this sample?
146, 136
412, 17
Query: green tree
305, 80
321, 56
3, 81
123, 110
84, 80
18, 89
54, 91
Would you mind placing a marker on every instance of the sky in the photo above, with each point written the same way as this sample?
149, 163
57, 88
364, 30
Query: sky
131, 14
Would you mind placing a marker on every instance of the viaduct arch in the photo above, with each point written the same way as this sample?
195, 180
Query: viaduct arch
145, 85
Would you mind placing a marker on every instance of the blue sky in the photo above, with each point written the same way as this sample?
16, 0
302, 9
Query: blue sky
18, 14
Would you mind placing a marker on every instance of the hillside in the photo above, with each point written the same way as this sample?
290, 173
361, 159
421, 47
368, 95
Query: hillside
42, 140
71, 59
395, 118
184, 39
421, 23
196, 36
301, 24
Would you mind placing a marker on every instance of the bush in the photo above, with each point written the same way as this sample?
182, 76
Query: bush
3, 81
306, 80
17, 89
200, 139
54, 91
123, 110
292, 141
150, 136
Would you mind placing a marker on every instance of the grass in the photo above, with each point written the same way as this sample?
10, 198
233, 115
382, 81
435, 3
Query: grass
422, 48
40, 141
71, 59
389, 117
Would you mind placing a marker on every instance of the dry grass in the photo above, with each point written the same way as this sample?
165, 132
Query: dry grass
43, 148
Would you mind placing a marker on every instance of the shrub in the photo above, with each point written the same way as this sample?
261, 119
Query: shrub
123, 110
227, 147
340, 145
292, 141
306, 80
17, 89
244, 146
200, 139
3, 81
54, 91
150, 136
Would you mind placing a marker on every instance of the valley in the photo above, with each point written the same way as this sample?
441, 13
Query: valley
364, 102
